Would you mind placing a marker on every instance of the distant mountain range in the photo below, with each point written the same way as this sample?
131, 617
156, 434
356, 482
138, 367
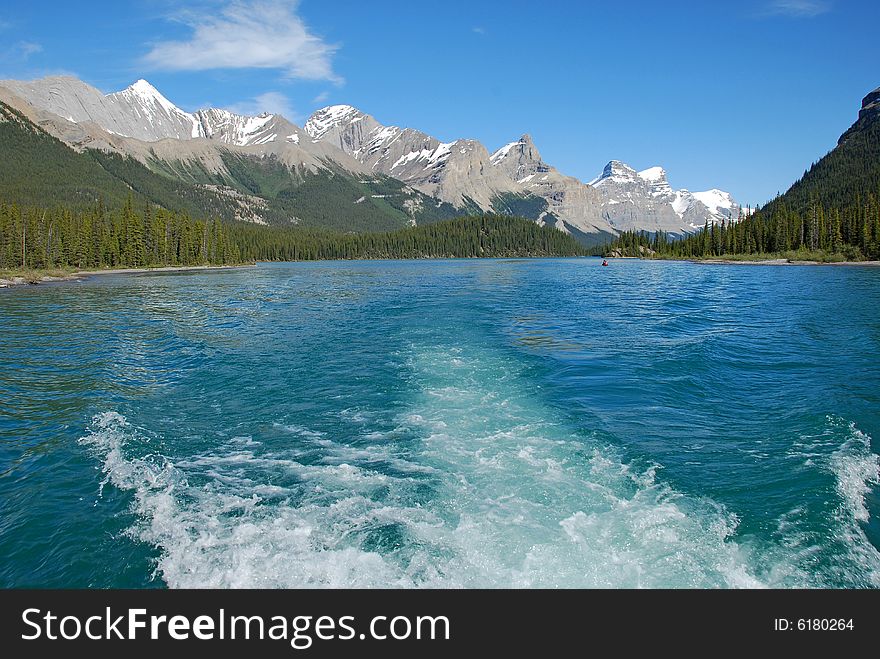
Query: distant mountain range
516, 179
345, 170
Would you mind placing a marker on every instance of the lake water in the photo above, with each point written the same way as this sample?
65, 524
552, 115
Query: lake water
501, 423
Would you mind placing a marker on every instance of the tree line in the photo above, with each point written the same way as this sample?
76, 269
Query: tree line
833, 211
851, 233
98, 237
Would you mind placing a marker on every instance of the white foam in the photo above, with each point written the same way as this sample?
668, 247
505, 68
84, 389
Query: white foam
212, 538
857, 470
477, 484
846, 554
486, 491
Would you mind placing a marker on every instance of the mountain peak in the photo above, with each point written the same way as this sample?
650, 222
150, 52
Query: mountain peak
337, 112
869, 113
327, 118
145, 91
657, 181
617, 169
144, 87
501, 153
523, 150
653, 175
871, 103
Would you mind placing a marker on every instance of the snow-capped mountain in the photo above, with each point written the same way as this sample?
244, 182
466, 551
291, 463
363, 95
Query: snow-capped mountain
695, 208
631, 202
645, 201
140, 122
141, 112
462, 173
575, 204
458, 172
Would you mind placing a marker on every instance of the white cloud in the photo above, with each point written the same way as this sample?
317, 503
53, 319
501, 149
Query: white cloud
265, 34
28, 48
478, 30
271, 102
321, 98
19, 52
798, 8
32, 73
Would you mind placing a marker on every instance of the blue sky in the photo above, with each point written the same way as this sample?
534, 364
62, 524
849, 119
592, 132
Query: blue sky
737, 95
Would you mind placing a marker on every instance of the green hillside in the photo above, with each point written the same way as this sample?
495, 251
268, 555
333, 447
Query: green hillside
831, 213
37, 169
35, 238
848, 175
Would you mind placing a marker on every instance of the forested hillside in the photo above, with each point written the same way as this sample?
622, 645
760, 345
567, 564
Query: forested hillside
832, 212
36, 169
36, 238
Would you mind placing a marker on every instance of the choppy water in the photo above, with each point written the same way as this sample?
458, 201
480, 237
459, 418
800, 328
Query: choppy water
443, 424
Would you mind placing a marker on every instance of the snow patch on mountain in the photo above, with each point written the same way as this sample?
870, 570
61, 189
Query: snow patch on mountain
719, 202
501, 153
142, 112
462, 172
616, 172
320, 123
654, 205
653, 174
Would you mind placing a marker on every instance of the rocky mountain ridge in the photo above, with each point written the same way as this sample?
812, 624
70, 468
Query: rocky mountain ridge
141, 122
461, 172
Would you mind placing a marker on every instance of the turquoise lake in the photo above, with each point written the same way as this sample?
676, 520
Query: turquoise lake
498, 423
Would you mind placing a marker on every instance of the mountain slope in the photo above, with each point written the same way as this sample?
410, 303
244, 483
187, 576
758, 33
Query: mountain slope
848, 173
349, 157
235, 167
570, 204
38, 169
458, 172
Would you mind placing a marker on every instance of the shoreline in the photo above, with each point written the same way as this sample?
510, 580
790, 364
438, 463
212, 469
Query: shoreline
769, 261
10, 281
784, 262
78, 275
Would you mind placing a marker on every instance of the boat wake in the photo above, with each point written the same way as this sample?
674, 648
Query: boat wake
479, 484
